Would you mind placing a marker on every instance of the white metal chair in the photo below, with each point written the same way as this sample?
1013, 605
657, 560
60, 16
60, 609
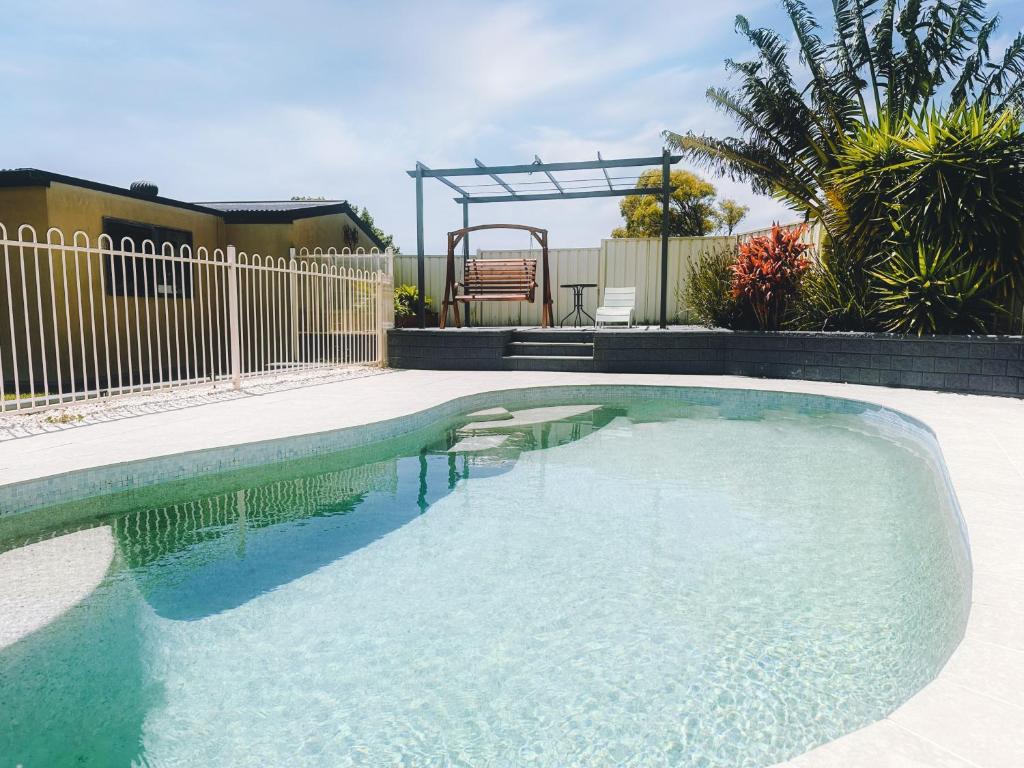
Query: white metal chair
617, 307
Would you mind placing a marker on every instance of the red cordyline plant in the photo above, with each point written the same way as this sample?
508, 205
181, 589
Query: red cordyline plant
767, 272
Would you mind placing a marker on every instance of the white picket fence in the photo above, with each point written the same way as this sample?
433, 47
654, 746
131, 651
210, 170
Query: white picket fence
617, 263
82, 321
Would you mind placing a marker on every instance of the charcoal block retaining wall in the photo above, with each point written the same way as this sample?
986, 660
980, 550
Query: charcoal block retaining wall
990, 365
459, 349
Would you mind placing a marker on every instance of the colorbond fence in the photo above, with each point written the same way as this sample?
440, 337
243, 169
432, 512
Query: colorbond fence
82, 320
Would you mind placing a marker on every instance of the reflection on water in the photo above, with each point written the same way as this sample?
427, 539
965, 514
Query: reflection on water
213, 553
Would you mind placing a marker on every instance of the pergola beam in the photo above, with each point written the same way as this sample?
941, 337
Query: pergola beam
605, 172
552, 179
583, 165
496, 177
521, 198
421, 167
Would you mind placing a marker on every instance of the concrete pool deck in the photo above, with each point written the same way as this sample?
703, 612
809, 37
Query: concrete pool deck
971, 715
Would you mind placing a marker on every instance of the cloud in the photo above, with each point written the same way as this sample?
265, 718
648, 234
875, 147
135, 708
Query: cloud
261, 99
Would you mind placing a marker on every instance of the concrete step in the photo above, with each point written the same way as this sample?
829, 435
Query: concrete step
555, 335
490, 414
550, 349
528, 417
547, 363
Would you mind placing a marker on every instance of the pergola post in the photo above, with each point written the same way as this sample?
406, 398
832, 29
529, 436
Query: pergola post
465, 255
421, 304
666, 196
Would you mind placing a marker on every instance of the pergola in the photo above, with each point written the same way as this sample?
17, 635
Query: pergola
503, 190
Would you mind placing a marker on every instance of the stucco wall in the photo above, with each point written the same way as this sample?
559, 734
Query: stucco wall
23, 205
265, 239
77, 208
278, 239
326, 232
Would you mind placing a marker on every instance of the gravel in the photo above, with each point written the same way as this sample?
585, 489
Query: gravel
15, 425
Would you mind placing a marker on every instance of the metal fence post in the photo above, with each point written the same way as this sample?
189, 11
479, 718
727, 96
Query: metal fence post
293, 303
382, 334
233, 319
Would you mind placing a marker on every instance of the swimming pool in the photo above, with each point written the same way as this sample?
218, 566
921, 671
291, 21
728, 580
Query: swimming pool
695, 577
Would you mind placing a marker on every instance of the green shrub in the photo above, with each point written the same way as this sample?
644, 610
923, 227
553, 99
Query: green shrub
406, 297
952, 182
707, 293
933, 290
837, 293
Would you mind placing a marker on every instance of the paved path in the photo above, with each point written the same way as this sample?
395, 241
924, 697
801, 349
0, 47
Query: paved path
971, 715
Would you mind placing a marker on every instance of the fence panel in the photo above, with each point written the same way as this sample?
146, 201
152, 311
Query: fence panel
405, 274
636, 262
82, 320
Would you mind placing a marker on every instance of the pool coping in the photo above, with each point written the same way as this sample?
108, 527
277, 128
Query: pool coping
972, 714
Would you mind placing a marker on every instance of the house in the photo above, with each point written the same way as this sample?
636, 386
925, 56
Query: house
43, 200
103, 314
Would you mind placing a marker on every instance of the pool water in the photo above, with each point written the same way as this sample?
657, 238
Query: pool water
720, 582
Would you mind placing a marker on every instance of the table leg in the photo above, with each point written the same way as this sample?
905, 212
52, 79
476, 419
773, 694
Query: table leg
577, 308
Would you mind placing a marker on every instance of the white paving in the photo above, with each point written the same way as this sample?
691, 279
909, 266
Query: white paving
971, 715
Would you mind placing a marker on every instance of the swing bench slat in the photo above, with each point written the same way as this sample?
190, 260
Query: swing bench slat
498, 280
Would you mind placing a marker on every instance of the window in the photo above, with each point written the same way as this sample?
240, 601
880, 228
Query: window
144, 275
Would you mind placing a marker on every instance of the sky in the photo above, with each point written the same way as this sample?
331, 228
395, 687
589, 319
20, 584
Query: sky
256, 100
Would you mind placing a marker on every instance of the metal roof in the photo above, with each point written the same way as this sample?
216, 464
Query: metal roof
268, 205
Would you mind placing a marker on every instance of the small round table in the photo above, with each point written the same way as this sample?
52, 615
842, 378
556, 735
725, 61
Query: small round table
577, 304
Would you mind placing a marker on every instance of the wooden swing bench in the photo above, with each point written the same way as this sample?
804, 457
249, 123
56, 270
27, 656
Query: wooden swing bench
494, 279
498, 280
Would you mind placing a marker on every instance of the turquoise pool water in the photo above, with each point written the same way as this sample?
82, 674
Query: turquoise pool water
714, 580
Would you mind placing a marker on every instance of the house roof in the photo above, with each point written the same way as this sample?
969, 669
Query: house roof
33, 177
232, 212
270, 205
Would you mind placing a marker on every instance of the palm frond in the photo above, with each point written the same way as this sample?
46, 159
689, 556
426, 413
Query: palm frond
970, 75
1004, 85
882, 48
814, 55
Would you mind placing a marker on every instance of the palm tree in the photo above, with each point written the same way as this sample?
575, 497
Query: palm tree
888, 59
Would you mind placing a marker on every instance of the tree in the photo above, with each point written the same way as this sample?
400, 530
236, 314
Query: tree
386, 240
691, 207
887, 59
729, 214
